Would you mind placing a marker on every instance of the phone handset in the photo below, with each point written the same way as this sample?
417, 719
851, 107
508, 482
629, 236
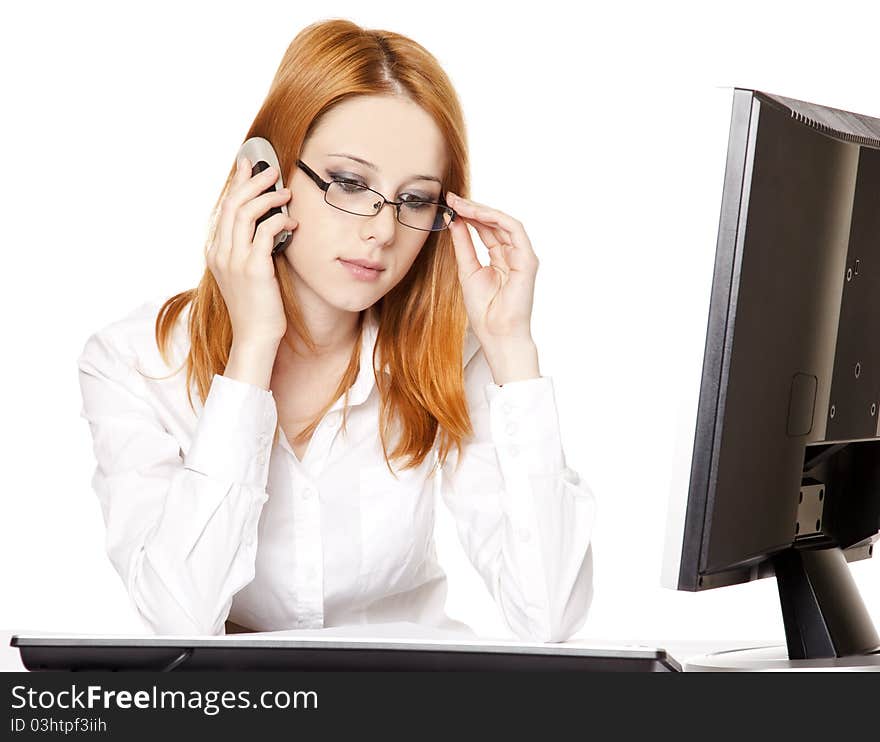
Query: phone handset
262, 156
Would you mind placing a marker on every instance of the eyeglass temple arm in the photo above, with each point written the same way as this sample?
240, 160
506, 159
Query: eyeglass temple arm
319, 181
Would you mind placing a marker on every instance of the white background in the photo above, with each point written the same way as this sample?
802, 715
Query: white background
603, 130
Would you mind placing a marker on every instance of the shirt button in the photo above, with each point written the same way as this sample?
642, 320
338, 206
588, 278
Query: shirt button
524, 534
261, 458
264, 439
508, 408
511, 428
307, 493
514, 450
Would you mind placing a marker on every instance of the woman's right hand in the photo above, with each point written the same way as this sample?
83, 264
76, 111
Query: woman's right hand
240, 257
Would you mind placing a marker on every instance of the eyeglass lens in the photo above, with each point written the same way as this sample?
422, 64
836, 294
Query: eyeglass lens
357, 199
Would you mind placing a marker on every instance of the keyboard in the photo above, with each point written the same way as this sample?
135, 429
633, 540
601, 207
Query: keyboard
283, 651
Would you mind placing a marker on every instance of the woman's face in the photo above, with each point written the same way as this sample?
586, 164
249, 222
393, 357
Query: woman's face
389, 144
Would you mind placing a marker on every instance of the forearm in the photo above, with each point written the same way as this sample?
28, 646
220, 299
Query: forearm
184, 578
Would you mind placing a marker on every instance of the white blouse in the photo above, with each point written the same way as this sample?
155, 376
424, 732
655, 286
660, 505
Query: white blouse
206, 520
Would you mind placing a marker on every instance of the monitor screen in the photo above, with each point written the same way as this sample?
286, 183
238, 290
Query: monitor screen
784, 476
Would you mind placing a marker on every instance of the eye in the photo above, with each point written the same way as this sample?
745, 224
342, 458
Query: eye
349, 186
418, 205
348, 183
415, 198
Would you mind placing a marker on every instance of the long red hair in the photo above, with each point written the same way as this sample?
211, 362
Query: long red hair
422, 320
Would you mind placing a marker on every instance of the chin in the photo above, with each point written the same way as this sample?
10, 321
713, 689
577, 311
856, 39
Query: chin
348, 296
354, 302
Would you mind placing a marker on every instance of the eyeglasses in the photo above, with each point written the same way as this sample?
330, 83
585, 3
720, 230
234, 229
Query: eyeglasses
354, 198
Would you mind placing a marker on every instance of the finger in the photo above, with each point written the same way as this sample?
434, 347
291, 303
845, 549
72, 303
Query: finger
497, 241
245, 188
491, 240
256, 207
488, 235
465, 254
223, 236
264, 238
473, 211
495, 244
512, 258
468, 205
243, 230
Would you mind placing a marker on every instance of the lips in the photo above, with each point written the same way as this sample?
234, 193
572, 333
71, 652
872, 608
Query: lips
360, 272
364, 264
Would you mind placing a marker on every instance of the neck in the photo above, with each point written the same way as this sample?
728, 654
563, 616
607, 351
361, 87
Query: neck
333, 331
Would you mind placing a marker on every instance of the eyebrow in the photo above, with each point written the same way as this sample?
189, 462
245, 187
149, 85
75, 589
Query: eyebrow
374, 167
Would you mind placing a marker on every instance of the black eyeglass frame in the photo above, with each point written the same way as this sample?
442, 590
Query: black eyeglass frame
324, 185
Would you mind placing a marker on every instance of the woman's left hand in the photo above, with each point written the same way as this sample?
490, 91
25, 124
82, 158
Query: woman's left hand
499, 296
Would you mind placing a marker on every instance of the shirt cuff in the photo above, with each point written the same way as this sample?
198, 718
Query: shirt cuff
234, 435
524, 425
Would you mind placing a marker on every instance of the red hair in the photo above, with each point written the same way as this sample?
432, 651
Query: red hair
422, 320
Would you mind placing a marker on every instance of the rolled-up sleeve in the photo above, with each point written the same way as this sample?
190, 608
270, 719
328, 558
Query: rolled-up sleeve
182, 534
524, 517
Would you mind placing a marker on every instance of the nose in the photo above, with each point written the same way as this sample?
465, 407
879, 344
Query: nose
382, 226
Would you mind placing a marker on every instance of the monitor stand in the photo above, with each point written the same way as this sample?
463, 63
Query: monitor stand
775, 659
827, 625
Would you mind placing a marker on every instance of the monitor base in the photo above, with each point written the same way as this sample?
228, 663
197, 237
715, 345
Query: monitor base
775, 659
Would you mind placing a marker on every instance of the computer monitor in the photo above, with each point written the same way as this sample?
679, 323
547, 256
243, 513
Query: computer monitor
784, 477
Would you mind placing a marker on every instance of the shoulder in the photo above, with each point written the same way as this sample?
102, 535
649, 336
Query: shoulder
130, 339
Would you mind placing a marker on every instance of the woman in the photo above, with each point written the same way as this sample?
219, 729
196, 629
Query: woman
371, 379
